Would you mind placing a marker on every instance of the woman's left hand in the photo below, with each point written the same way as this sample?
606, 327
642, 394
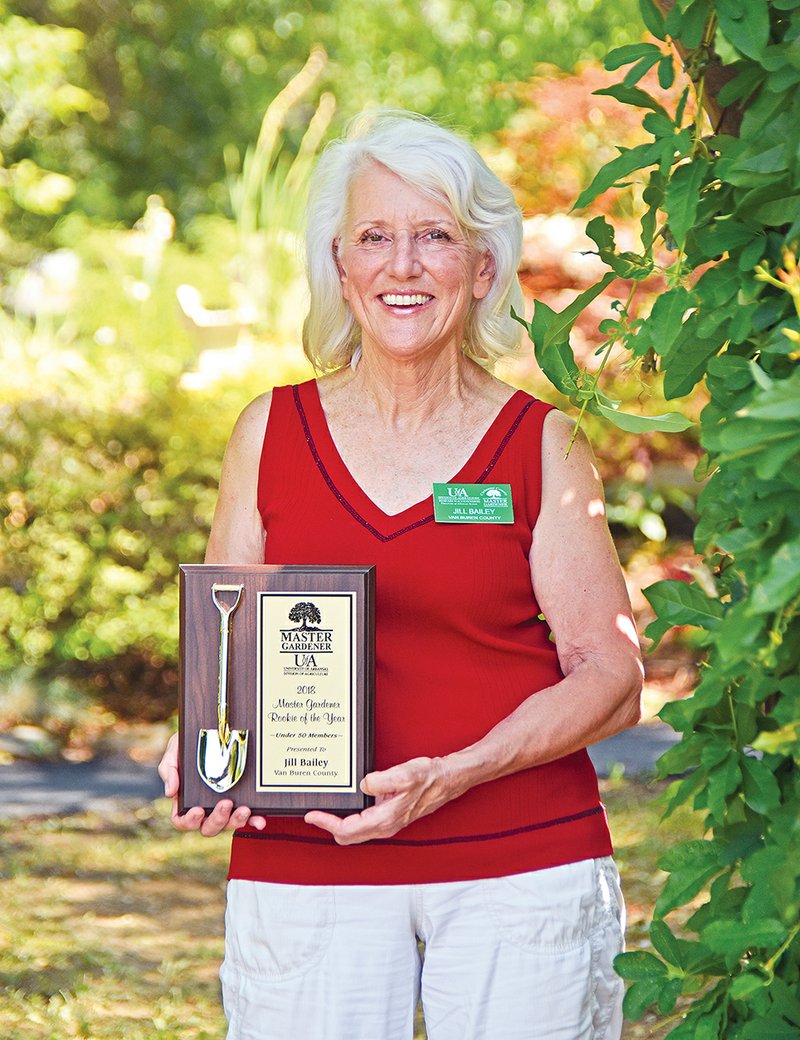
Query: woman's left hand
402, 794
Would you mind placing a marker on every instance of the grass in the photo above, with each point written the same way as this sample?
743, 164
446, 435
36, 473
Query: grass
112, 925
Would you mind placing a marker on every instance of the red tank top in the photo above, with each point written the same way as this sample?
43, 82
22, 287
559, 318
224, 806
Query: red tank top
458, 648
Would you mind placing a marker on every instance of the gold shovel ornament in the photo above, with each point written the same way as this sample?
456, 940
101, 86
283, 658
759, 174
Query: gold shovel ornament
222, 752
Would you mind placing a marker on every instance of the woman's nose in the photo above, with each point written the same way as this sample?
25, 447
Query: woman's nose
404, 259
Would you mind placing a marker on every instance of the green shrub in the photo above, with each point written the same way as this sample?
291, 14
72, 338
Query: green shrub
99, 509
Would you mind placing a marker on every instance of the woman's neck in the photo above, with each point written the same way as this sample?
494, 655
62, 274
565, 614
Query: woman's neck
406, 393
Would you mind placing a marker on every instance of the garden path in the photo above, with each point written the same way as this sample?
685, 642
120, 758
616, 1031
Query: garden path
60, 788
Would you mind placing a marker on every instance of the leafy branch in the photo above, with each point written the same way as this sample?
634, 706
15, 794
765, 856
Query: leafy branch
727, 207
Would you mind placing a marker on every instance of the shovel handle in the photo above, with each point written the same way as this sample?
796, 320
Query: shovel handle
225, 612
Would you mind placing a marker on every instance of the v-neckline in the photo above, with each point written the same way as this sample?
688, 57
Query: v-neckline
352, 495
355, 498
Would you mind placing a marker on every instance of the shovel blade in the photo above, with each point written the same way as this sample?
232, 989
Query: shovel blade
219, 764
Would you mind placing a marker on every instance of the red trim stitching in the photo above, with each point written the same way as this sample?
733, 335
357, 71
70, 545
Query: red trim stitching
455, 840
351, 509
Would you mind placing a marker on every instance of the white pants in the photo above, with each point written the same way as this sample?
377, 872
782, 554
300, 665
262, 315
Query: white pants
525, 957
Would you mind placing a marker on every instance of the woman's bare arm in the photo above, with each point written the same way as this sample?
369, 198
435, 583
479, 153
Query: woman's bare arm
237, 534
579, 586
237, 537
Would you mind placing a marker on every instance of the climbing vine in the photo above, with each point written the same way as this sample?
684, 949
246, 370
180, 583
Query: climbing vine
721, 200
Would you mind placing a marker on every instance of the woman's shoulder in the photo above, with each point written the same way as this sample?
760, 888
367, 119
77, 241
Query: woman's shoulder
568, 463
255, 413
247, 435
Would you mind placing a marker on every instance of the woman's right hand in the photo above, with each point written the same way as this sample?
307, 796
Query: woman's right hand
222, 817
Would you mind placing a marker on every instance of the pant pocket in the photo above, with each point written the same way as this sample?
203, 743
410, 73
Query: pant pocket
275, 932
544, 911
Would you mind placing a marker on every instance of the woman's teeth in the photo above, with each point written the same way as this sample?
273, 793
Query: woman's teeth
396, 300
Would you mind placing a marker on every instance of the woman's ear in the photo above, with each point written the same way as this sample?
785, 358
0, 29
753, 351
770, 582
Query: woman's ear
484, 275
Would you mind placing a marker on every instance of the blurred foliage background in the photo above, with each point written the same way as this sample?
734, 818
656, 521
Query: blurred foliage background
153, 160
129, 99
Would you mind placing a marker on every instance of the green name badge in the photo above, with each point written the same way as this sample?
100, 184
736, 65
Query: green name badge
473, 504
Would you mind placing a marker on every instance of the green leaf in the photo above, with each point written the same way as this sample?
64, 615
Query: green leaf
668, 422
542, 317
778, 212
682, 756
662, 128
772, 1027
718, 285
561, 324
666, 318
691, 958
691, 865
690, 855
668, 995
656, 631
681, 106
722, 782
722, 236
639, 965
629, 95
743, 436
681, 888
602, 234
653, 197
558, 364
780, 401
684, 604
630, 265
732, 937
687, 365
652, 18
620, 56
640, 996
639, 158
682, 197
686, 21
781, 582
679, 791
666, 72
773, 877
741, 86
772, 160
521, 320
785, 1000
761, 790
746, 984
745, 25
699, 1024
635, 72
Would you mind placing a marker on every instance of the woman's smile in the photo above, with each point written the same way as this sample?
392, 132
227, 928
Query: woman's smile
405, 301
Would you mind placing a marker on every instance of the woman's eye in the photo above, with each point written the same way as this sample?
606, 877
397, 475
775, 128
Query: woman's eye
437, 235
371, 236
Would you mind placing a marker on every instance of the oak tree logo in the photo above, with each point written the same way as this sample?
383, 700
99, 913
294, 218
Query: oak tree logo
308, 638
306, 614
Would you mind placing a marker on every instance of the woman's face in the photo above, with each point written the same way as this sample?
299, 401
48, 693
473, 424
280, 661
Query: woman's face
406, 269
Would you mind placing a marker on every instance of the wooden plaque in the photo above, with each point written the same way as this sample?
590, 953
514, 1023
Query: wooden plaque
277, 687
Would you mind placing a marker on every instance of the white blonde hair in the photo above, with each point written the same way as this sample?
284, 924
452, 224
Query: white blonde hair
440, 163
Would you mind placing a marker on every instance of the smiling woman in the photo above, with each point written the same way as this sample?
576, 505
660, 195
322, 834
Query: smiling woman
487, 840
